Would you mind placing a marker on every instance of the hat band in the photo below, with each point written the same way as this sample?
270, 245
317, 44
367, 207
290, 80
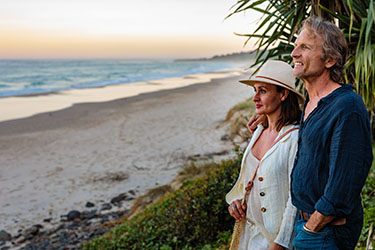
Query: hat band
269, 78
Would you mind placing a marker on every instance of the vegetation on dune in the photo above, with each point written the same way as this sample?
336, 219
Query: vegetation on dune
196, 217
193, 217
367, 238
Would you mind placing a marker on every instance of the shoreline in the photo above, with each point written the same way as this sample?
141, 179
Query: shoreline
29, 105
58, 161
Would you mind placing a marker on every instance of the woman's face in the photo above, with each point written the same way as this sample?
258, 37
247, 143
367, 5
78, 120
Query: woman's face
266, 98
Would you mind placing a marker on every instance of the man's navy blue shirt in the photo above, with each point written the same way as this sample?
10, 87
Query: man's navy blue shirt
334, 156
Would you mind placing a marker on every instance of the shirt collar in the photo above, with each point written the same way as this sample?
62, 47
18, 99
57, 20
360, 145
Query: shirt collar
327, 99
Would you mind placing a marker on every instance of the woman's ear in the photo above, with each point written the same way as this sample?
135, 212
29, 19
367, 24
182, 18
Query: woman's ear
284, 94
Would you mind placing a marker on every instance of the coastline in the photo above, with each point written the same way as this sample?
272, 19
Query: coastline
33, 104
57, 161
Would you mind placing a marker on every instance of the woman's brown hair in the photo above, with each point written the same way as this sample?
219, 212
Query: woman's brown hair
290, 110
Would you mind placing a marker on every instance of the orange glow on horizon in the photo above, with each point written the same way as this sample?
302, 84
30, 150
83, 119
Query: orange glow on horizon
27, 44
120, 29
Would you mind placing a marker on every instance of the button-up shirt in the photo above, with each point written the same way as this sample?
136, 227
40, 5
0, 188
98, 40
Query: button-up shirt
334, 156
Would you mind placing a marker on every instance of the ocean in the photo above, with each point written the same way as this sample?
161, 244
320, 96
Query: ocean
38, 76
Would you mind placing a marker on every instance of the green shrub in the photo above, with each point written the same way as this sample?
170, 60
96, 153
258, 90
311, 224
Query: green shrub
368, 201
193, 217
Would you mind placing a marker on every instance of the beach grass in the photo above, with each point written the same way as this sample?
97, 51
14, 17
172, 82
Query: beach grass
367, 237
193, 217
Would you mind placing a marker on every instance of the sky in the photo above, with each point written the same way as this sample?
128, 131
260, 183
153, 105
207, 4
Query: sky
121, 28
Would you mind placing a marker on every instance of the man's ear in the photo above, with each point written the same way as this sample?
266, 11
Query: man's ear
329, 62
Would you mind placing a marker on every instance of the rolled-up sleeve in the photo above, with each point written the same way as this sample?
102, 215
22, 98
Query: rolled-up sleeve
349, 159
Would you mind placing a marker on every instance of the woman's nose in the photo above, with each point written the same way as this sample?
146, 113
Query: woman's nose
256, 96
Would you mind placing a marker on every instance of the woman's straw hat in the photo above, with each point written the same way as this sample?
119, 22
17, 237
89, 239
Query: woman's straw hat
278, 73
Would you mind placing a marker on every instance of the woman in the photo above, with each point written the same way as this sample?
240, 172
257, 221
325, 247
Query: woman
267, 214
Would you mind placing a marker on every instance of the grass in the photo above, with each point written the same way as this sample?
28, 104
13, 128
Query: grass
368, 201
193, 217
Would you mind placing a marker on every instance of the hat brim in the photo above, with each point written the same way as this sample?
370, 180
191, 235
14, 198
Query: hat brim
251, 82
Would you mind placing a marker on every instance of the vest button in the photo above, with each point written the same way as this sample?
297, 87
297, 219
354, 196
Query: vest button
260, 179
262, 194
263, 209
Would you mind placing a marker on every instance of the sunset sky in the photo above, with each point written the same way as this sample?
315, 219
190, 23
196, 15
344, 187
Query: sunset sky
120, 28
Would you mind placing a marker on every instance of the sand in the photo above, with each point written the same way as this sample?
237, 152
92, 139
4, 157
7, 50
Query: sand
93, 144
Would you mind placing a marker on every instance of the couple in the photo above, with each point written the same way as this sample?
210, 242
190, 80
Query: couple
302, 186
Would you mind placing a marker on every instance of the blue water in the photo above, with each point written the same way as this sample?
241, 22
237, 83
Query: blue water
20, 77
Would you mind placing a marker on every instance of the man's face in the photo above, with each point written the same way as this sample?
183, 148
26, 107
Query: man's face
307, 56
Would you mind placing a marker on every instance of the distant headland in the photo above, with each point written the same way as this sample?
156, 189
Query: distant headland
233, 57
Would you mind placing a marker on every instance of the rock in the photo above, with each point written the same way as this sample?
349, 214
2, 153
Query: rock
34, 230
60, 227
90, 204
132, 192
17, 236
30, 247
29, 236
73, 226
72, 215
88, 215
48, 220
5, 236
225, 138
44, 245
5, 248
119, 198
106, 206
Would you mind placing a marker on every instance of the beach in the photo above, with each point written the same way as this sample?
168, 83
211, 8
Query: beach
61, 150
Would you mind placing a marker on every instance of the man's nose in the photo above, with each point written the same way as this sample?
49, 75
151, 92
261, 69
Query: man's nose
295, 52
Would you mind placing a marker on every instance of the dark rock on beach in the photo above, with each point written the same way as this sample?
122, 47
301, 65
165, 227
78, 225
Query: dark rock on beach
106, 206
5, 236
34, 230
225, 138
121, 197
90, 204
132, 192
75, 228
72, 215
88, 215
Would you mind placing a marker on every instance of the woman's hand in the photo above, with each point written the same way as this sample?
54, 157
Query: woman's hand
254, 121
276, 246
236, 210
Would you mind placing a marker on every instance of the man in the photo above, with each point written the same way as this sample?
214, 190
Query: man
334, 147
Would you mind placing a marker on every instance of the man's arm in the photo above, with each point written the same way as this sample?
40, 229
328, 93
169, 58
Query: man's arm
349, 162
254, 122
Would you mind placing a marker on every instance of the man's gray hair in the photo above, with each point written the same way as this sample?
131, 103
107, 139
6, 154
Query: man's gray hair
334, 44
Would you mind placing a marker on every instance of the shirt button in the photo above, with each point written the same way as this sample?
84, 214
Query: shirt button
261, 193
263, 209
260, 179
